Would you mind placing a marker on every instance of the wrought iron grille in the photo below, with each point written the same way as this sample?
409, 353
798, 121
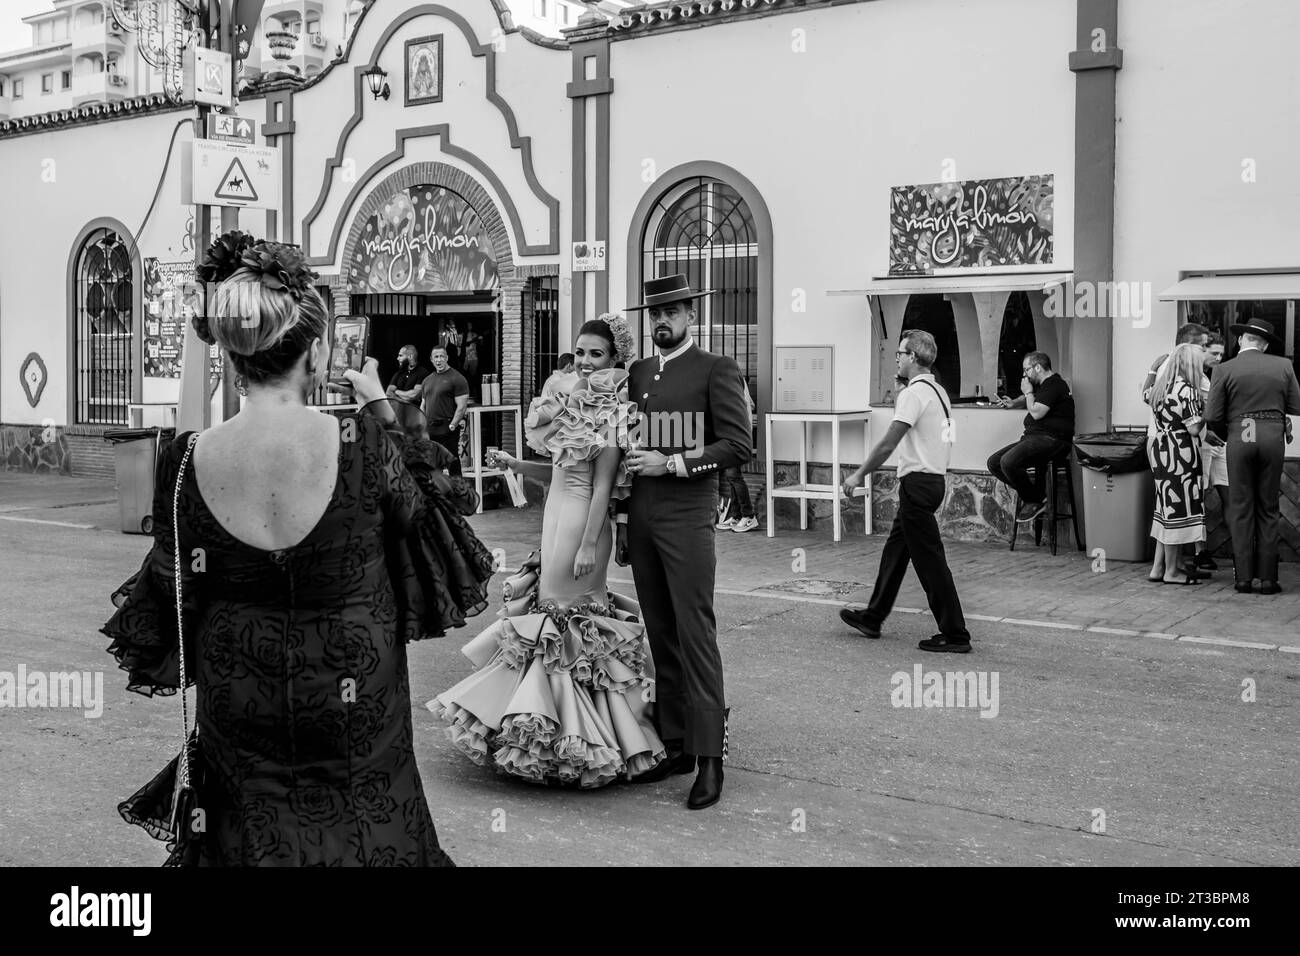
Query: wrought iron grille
704, 229
545, 292
104, 334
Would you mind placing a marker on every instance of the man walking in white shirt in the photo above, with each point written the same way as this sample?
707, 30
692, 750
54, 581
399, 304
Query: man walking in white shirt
922, 434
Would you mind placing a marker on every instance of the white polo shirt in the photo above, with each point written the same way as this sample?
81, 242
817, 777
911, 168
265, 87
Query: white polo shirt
926, 446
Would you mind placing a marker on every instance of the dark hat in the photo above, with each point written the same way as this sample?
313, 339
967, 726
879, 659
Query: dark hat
667, 289
1264, 330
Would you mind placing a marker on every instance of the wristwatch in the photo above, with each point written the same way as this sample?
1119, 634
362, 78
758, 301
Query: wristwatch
672, 466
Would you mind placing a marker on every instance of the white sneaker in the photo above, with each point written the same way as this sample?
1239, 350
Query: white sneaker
726, 524
745, 524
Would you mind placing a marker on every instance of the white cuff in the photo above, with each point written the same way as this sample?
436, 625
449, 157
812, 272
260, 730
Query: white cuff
681, 466
620, 519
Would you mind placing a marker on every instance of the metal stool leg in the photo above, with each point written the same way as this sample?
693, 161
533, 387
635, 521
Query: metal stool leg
1051, 504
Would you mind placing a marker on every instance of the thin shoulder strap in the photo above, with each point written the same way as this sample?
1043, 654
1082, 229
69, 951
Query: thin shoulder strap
939, 395
180, 618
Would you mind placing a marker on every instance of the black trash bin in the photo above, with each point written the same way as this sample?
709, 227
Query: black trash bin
1118, 494
135, 456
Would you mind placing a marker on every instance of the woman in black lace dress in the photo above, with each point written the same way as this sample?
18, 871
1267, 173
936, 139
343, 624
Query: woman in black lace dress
313, 549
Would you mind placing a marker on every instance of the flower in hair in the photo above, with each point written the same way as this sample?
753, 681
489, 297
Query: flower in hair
624, 341
280, 266
225, 256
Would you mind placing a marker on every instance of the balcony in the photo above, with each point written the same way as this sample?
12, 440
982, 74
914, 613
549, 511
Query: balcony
105, 37
106, 87
287, 51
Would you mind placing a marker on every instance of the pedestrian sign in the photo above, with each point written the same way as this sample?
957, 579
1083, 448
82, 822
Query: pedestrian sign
230, 128
236, 184
228, 174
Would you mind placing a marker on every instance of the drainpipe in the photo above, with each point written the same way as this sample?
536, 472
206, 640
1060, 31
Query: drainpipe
1095, 63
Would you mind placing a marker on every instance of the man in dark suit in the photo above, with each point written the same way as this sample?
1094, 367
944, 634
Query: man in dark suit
1250, 398
694, 421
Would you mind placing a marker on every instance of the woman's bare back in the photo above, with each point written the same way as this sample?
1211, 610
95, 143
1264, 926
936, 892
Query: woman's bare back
268, 477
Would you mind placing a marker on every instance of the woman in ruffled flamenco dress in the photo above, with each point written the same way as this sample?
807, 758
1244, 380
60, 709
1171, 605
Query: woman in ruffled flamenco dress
313, 548
565, 681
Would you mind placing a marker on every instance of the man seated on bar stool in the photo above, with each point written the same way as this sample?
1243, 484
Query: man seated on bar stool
1049, 428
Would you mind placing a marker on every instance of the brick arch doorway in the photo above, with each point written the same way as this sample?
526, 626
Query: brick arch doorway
437, 285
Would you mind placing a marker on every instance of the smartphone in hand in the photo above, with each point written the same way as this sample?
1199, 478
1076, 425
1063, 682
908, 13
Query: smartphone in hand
349, 342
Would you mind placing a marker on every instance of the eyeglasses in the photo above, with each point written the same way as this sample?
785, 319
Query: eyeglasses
904, 352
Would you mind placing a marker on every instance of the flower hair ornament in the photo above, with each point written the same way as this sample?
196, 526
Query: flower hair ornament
624, 340
279, 266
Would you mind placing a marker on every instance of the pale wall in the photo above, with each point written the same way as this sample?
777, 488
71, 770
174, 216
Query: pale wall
1204, 86
884, 94
108, 169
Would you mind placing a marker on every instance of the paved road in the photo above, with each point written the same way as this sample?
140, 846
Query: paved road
1153, 733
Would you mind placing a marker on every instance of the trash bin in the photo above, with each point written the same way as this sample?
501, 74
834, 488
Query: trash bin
1119, 494
135, 455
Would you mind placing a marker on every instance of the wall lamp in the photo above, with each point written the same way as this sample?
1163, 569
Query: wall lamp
375, 80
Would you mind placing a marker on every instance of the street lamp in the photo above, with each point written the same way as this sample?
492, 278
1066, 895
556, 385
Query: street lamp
375, 77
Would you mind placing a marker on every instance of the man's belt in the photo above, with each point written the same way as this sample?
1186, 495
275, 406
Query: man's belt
1269, 415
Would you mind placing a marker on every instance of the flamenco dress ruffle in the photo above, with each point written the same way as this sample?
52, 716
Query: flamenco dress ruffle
562, 694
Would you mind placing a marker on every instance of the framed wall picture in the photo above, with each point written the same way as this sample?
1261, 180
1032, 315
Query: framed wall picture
424, 70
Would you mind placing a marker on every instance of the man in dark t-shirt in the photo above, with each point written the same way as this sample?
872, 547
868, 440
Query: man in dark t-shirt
1049, 428
445, 397
406, 384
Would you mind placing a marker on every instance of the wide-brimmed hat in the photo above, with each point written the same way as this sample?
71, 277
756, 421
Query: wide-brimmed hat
665, 290
1264, 330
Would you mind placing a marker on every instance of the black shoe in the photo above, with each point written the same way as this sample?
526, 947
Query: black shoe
1028, 512
1269, 587
943, 645
858, 619
676, 762
708, 785
1244, 587
1205, 561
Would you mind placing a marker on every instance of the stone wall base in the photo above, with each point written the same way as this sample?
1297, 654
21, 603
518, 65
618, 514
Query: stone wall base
36, 448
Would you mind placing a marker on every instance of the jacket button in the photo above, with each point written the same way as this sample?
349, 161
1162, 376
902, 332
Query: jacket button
656, 378
645, 394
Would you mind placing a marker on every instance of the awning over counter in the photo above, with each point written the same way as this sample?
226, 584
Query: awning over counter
1272, 285
921, 285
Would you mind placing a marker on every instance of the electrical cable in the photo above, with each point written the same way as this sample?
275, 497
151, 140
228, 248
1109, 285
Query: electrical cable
162, 178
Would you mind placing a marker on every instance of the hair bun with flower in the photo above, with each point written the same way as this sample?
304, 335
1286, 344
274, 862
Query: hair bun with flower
278, 265
624, 340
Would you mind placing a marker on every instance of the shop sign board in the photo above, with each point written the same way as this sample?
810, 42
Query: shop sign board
229, 174
424, 239
589, 256
972, 224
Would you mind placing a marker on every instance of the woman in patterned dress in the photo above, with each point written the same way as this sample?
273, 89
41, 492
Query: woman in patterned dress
1177, 404
313, 549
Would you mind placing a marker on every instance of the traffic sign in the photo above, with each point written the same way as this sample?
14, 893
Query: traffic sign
228, 174
229, 128
208, 77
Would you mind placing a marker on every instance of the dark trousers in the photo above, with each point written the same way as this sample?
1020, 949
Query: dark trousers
733, 490
1010, 465
670, 542
914, 537
449, 440
1254, 489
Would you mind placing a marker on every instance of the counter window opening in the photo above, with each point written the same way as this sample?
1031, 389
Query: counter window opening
1219, 315
104, 330
703, 228
933, 314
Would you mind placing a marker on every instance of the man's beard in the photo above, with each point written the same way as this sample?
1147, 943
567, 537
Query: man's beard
668, 346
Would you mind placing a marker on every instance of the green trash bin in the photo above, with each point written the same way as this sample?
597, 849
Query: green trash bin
1119, 494
135, 454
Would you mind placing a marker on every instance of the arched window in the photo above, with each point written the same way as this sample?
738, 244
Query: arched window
104, 329
704, 229
1016, 341
933, 314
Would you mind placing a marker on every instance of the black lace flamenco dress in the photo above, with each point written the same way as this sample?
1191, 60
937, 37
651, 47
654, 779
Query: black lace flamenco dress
299, 657
566, 682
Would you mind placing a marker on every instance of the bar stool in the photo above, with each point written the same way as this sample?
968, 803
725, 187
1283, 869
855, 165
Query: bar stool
1058, 470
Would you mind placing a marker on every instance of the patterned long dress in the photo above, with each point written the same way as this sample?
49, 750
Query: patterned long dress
1176, 464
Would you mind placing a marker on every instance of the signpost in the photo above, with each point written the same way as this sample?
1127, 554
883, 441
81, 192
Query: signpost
229, 128
228, 174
